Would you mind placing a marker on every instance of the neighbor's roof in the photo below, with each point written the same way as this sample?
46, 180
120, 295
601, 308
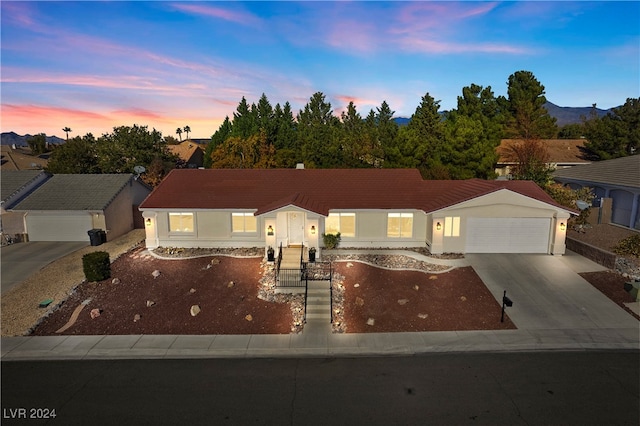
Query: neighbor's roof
623, 171
321, 190
561, 151
184, 150
21, 159
12, 181
75, 192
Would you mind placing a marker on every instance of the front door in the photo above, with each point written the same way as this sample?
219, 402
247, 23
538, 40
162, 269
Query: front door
296, 228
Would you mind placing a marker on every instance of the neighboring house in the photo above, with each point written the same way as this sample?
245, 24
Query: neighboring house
369, 207
190, 152
15, 186
618, 179
21, 159
66, 206
563, 153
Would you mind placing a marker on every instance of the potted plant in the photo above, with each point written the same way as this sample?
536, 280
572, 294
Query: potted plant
312, 254
271, 254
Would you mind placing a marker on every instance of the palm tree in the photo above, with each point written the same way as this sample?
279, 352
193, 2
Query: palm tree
179, 132
187, 129
67, 130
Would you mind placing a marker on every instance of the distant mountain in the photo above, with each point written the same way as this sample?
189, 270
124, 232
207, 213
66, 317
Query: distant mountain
563, 115
571, 115
11, 138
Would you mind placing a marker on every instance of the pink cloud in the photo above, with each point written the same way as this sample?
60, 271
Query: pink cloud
18, 12
425, 45
219, 13
353, 35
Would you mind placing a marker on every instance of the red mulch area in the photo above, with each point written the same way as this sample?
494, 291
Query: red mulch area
611, 284
224, 306
416, 301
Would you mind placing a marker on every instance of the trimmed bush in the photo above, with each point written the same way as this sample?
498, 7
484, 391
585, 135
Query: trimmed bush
629, 246
96, 266
331, 241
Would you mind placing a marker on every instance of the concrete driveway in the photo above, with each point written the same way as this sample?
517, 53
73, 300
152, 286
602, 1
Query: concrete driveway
20, 260
548, 293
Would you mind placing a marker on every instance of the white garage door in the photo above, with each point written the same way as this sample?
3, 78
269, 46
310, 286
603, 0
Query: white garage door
507, 235
58, 227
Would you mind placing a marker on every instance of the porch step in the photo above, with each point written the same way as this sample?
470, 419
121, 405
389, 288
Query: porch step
318, 304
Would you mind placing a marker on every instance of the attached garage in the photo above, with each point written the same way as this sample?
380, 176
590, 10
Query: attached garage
56, 227
508, 235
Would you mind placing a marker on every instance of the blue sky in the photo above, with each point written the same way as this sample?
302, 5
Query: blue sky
95, 65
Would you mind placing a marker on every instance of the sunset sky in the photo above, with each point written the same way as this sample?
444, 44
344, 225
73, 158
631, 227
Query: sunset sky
96, 65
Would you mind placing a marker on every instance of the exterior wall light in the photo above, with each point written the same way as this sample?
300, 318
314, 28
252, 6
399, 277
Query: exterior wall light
148, 221
313, 230
438, 226
270, 230
562, 226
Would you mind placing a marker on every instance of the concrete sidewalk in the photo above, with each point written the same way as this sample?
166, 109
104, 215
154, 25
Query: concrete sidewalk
554, 309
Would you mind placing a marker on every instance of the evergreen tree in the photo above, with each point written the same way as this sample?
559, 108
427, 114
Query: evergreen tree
617, 134
217, 139
423, 144
526, 116
37, 143
245, 121
316, 127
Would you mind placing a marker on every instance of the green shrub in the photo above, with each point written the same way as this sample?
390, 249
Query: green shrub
331, 241
96, 266
629, 246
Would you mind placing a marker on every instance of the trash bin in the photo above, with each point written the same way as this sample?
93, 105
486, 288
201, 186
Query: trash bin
95, 237
103, 236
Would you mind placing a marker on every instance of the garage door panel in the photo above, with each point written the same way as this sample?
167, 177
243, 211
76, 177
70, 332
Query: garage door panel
508, 235
58, 227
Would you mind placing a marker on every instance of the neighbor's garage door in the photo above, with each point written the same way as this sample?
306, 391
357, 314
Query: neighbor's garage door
507, 235
58, 227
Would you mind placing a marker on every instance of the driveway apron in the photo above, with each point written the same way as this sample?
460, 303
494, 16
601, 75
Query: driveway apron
22, 259
547, 294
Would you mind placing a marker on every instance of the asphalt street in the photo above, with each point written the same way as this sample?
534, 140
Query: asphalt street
18, 261
568, 388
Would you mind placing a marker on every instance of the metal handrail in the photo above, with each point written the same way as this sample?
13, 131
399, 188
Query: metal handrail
306, 291
331, 290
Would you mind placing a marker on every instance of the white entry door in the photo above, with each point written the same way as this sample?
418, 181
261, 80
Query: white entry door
296, 228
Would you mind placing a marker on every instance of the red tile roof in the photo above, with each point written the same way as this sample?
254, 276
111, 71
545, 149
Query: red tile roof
321, 190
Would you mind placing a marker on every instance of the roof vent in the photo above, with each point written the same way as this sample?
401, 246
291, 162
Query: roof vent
300, 166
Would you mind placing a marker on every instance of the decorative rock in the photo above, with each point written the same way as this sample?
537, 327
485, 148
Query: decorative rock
463, 299
193, 290
115, 281
95, 313
433, 277
249, 317
416, 287
423, 316
349, 265
155, 273
231, 284
136, 317
371, 321
215, 261
359, 301
356, 285
402, 301
150, 303
195, 310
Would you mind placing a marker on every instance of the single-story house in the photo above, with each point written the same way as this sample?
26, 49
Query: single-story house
15, 185
66, 206
369, 207
21, 158
189, 152
563, 153
617, 179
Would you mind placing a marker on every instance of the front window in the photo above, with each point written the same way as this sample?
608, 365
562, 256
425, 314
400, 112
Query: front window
243, 222
451, 226
344, 223
400, 225
180, 222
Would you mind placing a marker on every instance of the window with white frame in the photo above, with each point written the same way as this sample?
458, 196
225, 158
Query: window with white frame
181, 222
243, 222
451, 226
399, 225
344, 223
